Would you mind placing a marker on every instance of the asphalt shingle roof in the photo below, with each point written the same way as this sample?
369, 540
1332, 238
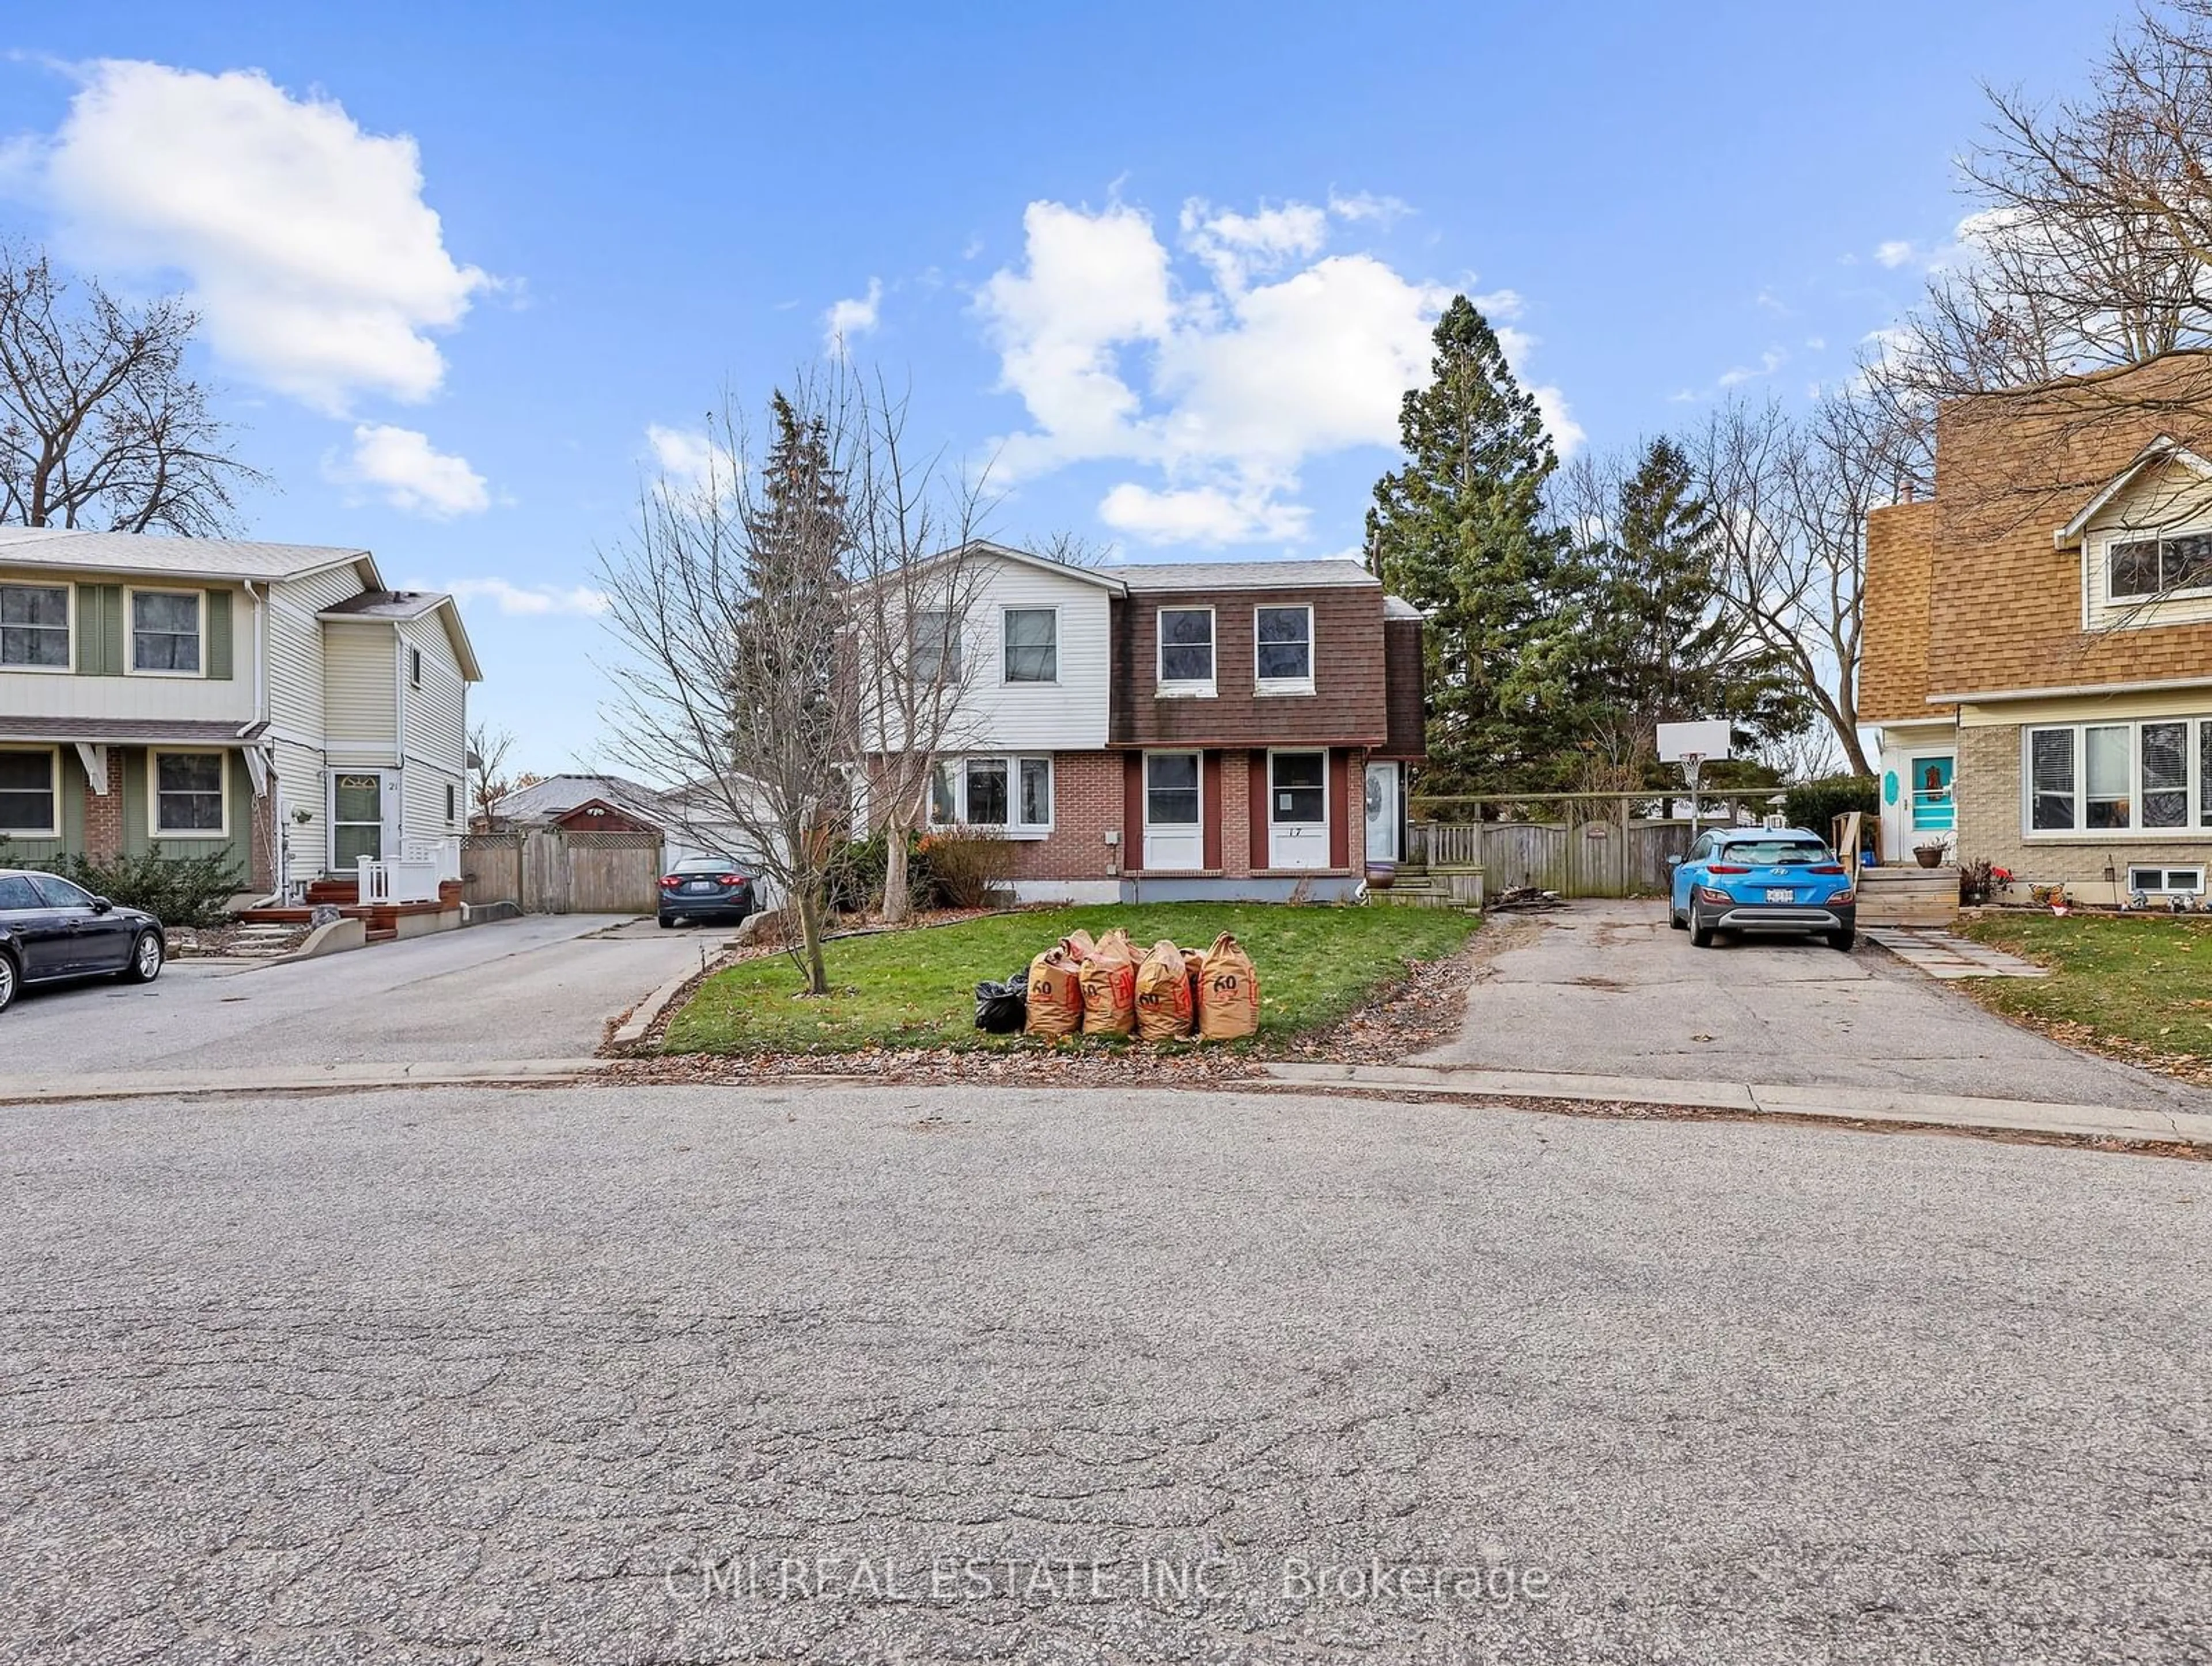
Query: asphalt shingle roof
155, 552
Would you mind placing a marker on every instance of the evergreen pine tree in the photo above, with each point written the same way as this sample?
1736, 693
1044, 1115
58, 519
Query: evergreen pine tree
1459, 531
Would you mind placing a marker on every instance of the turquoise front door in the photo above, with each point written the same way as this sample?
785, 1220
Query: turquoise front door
1933, 810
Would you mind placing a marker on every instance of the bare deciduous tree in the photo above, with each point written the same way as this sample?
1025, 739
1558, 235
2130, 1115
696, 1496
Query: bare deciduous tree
487, 781
99, 426
914, 582
730, 601
1790, 500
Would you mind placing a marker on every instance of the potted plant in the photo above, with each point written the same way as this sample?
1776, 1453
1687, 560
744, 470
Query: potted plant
1381, 875
1930, 854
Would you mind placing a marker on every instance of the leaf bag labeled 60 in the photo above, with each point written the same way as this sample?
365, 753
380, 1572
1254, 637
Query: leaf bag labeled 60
1227, 992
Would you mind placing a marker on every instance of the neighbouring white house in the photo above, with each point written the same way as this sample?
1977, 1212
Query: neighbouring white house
277, 703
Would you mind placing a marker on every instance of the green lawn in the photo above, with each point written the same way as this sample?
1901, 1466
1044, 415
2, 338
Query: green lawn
2128, 984
916, 988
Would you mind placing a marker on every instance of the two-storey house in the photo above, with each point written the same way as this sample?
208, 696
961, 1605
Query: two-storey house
1235, 729
2038, 640
276, 703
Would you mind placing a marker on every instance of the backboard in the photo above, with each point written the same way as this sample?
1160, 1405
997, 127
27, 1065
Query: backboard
1705, 737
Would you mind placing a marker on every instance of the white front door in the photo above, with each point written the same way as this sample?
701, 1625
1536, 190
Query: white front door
1174, 835
1297, 810
364, 810
1382, 812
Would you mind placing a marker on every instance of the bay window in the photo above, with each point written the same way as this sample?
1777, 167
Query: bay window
2150, 776
1005, 792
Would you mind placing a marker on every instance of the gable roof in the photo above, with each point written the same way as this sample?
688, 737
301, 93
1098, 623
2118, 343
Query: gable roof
2162, 450
557, 795
397, 607
159, 553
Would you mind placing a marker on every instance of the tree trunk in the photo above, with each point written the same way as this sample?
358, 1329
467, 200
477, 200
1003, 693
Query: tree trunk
810, 940
897, 903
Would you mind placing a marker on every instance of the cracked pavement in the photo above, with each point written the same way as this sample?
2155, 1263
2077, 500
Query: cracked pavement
480, 1375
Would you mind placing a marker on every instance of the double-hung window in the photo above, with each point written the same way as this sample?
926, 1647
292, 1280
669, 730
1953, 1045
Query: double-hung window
164, 631
1005, 792
30, 793
2152, 776
34, 621
1282, 649
1032, 644
935, 656
188, 797
1186, 664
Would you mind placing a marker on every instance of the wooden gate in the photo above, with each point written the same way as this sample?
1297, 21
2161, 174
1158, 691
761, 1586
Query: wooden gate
551, 870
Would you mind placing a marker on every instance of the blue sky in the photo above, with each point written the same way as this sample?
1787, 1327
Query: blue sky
470, 273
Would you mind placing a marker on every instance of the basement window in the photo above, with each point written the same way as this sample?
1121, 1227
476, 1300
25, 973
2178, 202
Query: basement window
2167, 881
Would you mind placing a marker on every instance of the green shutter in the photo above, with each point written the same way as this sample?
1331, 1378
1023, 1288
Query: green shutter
100, 631
218, 634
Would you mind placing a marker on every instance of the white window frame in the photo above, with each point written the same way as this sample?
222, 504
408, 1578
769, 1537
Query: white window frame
955, 767
154, 757
414, 666
952, 659
1007, 681
2198, 826
69, 614
1185, 688
1278, 685
53, 756
131, 629
2166, 870
1328, 804
1180, 829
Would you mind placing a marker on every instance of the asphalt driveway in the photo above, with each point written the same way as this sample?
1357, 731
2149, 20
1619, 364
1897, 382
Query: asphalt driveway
538, 987
450, 1378
1606, 988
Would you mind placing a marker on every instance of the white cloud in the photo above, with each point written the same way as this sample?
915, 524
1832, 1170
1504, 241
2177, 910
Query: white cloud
1894, 254
1200, 514
303, 240
1385, 211
855, 316
1769, 362
527, 601
409, 473
1280, 352
689, 458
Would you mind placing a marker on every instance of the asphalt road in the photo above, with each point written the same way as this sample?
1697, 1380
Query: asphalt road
538, 987
449, 1376
1606, 988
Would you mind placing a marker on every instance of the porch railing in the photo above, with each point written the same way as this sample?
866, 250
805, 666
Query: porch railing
445, 854
397, 882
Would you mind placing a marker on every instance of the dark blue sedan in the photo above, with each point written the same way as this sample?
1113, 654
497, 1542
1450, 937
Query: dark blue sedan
52, 929
1763, 878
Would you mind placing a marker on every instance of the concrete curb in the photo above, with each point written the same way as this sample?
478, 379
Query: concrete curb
331, 937
642, 1015
1839, 1103
291, 1078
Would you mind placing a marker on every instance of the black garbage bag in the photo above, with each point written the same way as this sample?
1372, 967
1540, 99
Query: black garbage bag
1004, 1008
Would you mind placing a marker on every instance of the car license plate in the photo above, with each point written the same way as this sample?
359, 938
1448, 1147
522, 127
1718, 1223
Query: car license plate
1780, 894
709, 884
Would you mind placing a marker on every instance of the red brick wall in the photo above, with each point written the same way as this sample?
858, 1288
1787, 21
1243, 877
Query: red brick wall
103, 813
1086, 805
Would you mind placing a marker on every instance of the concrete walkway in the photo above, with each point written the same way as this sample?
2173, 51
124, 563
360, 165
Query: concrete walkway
1839, 1103
1948, 957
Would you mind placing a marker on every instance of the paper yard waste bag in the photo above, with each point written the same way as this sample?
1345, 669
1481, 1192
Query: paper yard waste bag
1109, 987
1077, 944
1163, 999
1055, 995
1227, 992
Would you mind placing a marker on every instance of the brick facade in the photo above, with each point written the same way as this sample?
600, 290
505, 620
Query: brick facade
1988, 793
103, 813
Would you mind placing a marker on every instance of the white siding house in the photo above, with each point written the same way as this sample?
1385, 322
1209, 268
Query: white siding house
197, 695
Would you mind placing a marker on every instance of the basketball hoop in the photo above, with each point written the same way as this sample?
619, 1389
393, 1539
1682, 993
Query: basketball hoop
1693, 763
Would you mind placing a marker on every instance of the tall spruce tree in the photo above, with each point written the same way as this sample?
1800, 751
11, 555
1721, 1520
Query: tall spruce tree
1461, 532
1654, 642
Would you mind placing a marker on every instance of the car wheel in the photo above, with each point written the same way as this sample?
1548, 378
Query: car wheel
145, 963
667, 922
1676, 921
1701, 935
1843, 939
9, 980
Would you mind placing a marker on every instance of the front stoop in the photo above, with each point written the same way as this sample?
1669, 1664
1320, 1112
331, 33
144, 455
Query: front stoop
1910, 896
383, 923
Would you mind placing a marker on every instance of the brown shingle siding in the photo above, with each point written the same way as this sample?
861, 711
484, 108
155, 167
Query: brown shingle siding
1405, 676
1347, 707
1900, 552
2004, 606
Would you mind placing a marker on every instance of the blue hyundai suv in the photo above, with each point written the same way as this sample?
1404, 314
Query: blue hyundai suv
1762, 878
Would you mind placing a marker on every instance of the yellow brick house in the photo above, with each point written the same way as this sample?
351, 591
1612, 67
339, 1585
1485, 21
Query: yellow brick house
2038, 638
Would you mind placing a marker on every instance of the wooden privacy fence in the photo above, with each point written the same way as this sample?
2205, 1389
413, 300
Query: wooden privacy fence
552, 870
1593, 844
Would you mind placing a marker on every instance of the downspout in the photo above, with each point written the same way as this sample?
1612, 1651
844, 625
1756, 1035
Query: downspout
276, 864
